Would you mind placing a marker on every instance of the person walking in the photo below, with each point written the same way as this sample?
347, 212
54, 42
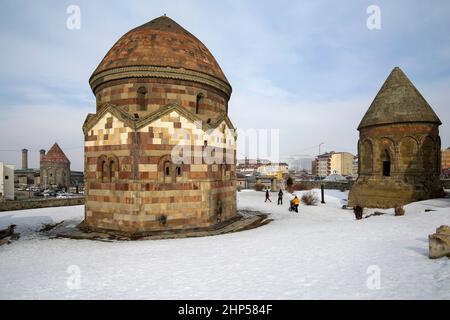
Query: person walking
280, 197
296, 203
267, 196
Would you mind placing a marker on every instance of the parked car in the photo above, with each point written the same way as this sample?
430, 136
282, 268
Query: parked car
64, 195
49, 193
38, 193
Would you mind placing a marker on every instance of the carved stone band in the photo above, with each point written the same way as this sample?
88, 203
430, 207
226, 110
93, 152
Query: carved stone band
158, 72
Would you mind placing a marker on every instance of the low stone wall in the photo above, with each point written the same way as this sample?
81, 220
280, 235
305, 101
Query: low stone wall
346, 185
446, 183
39, 203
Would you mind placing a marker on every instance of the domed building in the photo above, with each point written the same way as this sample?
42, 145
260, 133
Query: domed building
399, 148
159, 89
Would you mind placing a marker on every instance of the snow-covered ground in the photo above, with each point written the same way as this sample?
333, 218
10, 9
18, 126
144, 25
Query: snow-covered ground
320, 253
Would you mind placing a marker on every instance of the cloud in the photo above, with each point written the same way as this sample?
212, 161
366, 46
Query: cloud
310, 69
36, 126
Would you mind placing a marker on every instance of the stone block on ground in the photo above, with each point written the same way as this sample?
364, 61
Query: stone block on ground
439, 243
4, 233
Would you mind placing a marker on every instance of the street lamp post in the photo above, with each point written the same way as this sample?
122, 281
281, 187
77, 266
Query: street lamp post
322, 189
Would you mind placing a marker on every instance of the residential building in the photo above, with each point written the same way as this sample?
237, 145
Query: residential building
342, 163
241, 181
355, 167
314, 168
6, 181
333, 162
273, 169
324, 164
445, 162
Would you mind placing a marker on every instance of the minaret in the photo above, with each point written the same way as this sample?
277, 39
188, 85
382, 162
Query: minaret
41, 155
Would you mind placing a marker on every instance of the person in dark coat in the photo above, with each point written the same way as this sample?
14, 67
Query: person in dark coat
267, 196
280, 197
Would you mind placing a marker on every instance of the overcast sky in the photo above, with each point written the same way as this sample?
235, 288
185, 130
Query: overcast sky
308, 68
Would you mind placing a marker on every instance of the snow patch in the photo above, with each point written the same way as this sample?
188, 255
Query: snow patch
322, 252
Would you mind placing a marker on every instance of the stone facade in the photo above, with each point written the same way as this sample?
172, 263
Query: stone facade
157, 89
54, 168
399, 148
146, 96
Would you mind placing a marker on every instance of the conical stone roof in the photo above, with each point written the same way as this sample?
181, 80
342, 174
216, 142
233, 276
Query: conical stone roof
398, 101
55, 155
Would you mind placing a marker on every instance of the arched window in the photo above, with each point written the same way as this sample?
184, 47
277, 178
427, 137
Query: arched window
365, 158
197, 104
104, 172
52, 178
408, 153
386, 164
113, 170
178, 171
224, 170
142, 98
428, 151
221, 171
167, 172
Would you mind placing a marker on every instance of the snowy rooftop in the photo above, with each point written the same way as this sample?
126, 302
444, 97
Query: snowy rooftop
321, 252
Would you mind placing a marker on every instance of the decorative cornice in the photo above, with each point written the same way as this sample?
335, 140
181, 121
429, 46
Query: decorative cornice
226, 119
142, 122
158, 72
92, 119
139, 123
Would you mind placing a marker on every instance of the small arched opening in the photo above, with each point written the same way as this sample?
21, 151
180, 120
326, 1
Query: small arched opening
142, 98
198, 102
386, 159
113, 170
167, 172
104, 171
429, 160
365, 158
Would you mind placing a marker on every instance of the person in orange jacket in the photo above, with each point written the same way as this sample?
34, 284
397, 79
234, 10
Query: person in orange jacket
295, 203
